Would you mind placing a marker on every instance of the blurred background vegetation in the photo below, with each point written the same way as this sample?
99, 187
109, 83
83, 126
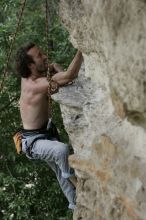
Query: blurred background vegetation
28, 189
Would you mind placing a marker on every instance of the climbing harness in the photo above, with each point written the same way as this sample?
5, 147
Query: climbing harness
17, 138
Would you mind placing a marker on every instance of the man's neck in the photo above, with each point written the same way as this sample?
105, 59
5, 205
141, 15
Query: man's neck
36, 75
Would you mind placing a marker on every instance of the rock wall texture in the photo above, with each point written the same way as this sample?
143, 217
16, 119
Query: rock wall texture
104, 111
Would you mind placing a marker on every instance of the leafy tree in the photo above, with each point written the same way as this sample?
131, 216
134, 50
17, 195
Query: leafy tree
28, 190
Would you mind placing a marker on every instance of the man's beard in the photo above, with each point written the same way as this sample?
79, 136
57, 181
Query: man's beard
42, 70
43, 73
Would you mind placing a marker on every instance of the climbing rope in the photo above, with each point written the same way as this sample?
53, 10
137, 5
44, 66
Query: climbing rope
20, 14
50, 109
47, 27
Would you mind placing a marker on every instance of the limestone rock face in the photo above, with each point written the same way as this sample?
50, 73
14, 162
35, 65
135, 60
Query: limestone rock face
104, 111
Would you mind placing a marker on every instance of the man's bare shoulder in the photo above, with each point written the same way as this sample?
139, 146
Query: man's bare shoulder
41, 79
38, 85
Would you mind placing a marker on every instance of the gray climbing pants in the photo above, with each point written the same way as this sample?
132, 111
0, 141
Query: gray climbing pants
36, 146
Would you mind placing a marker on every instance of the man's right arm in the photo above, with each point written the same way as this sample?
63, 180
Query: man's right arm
41, 84
62, 78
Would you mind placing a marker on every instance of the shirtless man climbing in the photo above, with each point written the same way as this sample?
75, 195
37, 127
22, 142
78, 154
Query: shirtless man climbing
32, 66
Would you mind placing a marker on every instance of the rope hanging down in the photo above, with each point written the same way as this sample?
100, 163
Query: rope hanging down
50, 110
47, 28
20, 14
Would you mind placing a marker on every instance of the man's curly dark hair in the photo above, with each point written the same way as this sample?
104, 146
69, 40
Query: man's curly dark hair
23, 60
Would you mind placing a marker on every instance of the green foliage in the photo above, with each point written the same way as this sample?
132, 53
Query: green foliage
28, 189
30, 194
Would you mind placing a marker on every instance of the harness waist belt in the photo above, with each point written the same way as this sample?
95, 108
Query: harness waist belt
31, 132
